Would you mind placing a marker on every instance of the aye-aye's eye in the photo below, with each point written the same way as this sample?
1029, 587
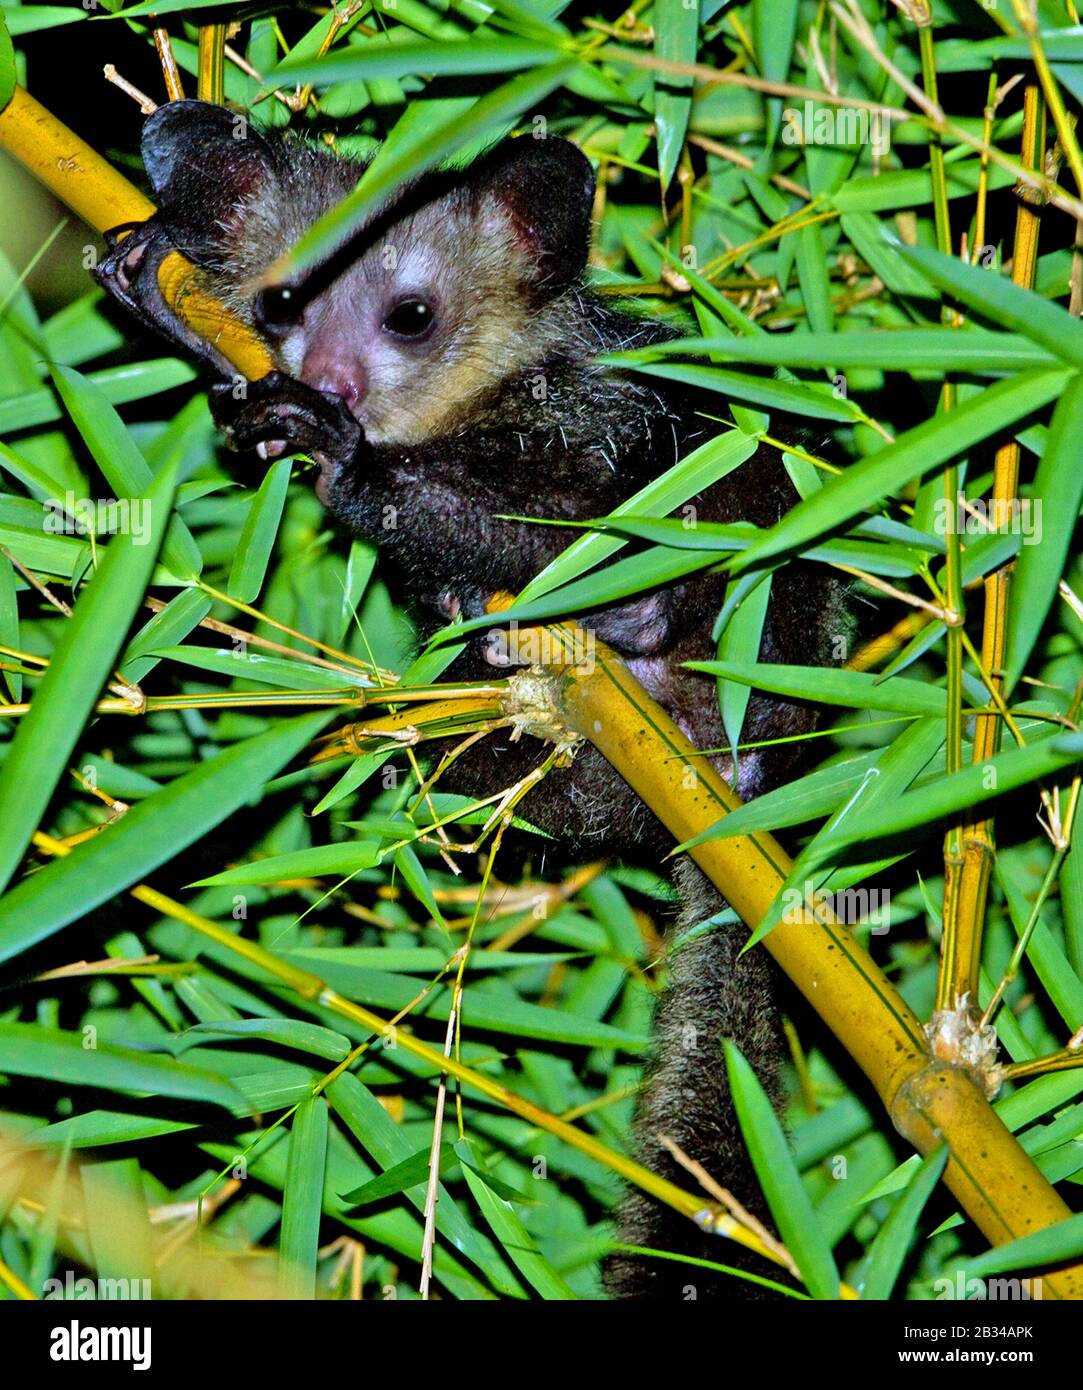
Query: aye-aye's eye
277, 307
410, 318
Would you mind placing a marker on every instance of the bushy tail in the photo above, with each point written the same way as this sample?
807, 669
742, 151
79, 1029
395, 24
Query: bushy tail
713, 994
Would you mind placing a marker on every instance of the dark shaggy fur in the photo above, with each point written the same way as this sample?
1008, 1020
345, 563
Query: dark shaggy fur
499, 407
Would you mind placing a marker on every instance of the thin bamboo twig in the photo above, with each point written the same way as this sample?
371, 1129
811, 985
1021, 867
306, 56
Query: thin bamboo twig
977, 831
1065, 125
953, 743
170, 71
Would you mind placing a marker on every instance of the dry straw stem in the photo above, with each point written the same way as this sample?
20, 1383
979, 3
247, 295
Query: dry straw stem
104, 198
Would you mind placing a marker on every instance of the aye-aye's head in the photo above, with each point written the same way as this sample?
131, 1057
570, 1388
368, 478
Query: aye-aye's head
462, 279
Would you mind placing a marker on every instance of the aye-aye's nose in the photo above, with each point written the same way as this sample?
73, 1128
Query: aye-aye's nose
326, 372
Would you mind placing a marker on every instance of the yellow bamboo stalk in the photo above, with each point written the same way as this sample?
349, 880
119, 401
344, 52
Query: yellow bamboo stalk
66, 165
212, 63
994, 1180
104, 198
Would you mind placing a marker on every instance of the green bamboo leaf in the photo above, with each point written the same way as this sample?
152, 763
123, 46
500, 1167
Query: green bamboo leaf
706, 465
392, 168
740, 645
818, 403
514, 1237
812, 263
48, 555
334, 859
393, 1229
8, 74
1071, 897
930, 802
9, 623
486, 1010
360, 62
409, 865
808, 798
739, 535
855, 689
171, 624
971, 55
386, 1143
267, 670
829, 1131
98, 1128
866, 484
916, 752
905, 759
302, 1200
30, 19
171, 7
131, 382
877, 246
47, 1226
128, 473
359, 568
156, 830
1058, 491
422, 960
775, 30
778, 1176
1061, 1243
1044, 952
79, 666
911, 188
30, 1050
720, 310
258, 534
289, 1032
34, 478
632, 575
80, 332
932, 349
400, 1176
889, 1249
991, 293
676, 30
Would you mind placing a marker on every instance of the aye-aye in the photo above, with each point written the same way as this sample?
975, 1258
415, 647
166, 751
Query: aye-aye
442, 369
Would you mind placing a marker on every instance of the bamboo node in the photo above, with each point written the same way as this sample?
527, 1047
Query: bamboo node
959, 1037
134, 696
918, 12
531, 706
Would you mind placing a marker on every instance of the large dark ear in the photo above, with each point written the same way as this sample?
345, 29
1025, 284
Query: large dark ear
201, 159
546, 189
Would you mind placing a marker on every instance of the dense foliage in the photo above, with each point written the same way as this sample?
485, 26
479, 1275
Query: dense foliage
866, 262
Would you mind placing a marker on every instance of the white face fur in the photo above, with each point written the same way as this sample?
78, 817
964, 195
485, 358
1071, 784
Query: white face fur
415, 328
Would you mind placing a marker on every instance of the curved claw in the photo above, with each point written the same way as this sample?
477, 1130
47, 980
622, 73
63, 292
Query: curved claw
279, 410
